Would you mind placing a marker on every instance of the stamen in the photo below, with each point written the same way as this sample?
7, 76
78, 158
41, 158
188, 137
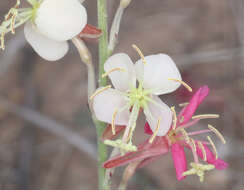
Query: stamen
184, 104
183, 83
214, 147
99, 91
174, 117
205, 116
130, 134
140, 53
112, 70
185, 135
155, 132
218, 134
194, 149
193, 144
113, 120
203, 150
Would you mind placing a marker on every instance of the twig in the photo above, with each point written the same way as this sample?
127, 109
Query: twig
51, 126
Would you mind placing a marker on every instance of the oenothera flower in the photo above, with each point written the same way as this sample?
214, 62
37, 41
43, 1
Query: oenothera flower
156, 75
176, 139
49, 24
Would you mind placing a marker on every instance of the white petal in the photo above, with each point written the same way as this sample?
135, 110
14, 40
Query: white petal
122, 80
157, 71
160, 111
48, 49
106, 103
61, 20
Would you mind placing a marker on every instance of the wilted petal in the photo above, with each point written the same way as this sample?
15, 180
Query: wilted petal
121, 79
179, 158
106, 103
195, 101
61, 20
157, 111
48, 49
158, 69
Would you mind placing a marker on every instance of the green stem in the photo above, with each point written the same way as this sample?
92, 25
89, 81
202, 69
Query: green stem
103, 55
103, 41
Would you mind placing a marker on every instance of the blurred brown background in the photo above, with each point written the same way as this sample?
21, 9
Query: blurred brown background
47, 141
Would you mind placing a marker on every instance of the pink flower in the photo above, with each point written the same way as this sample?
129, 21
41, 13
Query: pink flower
176, 139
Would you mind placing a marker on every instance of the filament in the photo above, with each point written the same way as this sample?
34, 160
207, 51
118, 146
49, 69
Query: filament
214, 147
112, 70
218, 134
205, 116
140, 54
203, 150
155, 132
174, 117
184, 104
183, 83
113, 121
99, 91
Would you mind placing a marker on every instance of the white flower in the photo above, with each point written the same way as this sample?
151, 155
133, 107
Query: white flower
121, 106
49, 24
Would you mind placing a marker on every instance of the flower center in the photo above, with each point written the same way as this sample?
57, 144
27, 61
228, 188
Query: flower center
138, 95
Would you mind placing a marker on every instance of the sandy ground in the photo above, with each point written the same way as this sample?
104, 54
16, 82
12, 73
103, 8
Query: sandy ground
206, 40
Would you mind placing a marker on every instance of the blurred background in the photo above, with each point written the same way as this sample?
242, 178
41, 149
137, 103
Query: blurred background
47, 140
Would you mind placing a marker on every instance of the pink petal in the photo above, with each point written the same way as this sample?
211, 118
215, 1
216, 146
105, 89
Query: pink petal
145, 150
179, 158
147, 129
195, 101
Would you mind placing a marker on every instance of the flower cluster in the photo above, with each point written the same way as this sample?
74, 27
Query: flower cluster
176, 139
48, 25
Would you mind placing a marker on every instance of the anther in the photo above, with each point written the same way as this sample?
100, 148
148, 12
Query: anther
140, 53
214, 147
99, 91
155, 132
183, 83
206, 116
218, 134
184, 104
174, 117
203, 150
113, 121
112, 70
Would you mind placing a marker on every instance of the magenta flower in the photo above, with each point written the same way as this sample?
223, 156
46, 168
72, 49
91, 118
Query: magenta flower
176, 140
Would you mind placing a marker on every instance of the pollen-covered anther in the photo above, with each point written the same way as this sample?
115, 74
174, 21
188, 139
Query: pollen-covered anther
174, 117
183, 83
113, 121
113, 70
128, 147
99, 91
218, 134
140, 53
205, 116
213, 146
155, 132
203, 150
199, 170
